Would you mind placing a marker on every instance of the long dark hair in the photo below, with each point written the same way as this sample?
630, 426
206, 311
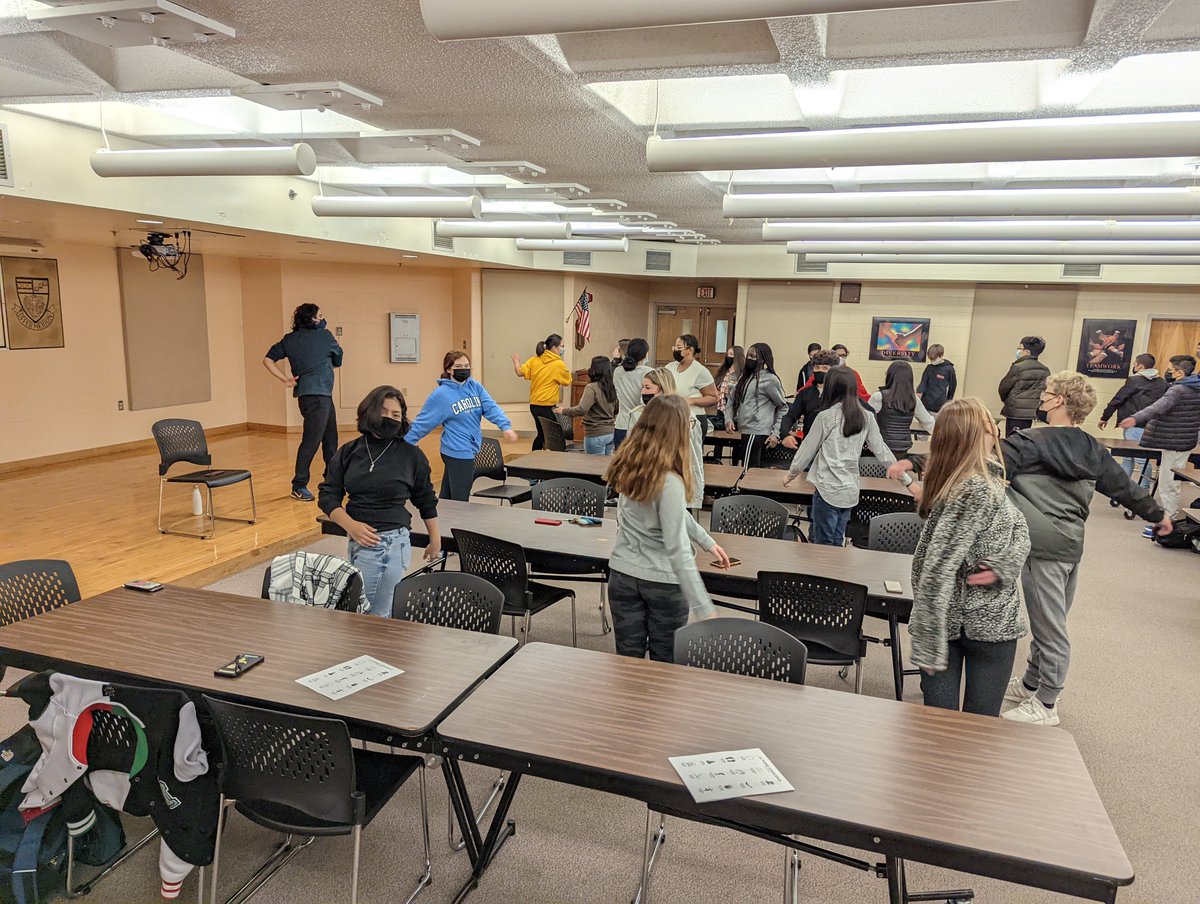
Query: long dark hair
305, 316
841, 388
601, 372
738, 364
370, 410
635, 354
897, 389
552, 341
766, 362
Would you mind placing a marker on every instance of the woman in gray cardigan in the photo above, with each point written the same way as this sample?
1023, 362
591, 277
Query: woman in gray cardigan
966, 615
756, 405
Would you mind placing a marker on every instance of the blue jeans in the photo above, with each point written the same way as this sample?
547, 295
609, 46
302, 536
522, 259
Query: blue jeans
828, 522
598, 445
382, 566
1135, 433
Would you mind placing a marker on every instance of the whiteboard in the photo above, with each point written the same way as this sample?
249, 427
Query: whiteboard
406, 338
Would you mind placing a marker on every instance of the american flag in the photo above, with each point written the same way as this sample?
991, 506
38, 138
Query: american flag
583, 320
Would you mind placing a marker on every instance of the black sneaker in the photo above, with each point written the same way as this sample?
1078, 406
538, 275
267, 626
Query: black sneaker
302, 494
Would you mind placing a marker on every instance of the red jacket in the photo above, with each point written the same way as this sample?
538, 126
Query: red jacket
862, 390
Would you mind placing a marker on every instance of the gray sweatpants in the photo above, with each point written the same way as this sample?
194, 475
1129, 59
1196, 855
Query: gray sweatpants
1049, 591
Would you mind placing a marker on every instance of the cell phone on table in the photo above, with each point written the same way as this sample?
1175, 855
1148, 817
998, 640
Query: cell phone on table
732, 562
241, 664
144, 586
552, 522
587, 522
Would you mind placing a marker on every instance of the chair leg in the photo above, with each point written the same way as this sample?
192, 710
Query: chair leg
357, 835
655, 838
791, 876
525, 629
222, 808
212, 516
253, 504
858, 675
161, 483
574, 637
605, 627
427, 874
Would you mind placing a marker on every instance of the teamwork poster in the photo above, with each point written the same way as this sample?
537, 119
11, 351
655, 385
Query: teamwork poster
900, 339
1106, 348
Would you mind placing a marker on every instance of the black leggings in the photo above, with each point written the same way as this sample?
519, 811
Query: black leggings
540, 411
988, 666
457, 478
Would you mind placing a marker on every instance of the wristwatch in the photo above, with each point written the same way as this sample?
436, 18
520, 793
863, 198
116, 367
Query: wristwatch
906, 479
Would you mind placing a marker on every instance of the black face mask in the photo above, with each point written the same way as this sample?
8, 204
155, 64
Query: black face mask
818, 377
677, 355
1043, 416
388, 429
646, 397
319, 324
751, 365
461, 374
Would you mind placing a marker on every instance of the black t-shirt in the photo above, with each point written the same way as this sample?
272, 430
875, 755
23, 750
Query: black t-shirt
377, 497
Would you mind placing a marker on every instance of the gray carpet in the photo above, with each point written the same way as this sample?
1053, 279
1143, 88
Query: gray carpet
1130, 703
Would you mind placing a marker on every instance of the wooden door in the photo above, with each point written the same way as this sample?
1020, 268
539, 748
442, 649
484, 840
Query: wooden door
718, 326
712, 326
1172, 337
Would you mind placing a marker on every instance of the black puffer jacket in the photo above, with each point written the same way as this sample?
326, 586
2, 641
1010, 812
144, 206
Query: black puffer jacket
1173, 422
1021, 388
1140, 391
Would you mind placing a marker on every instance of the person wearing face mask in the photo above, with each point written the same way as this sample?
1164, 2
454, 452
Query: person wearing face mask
806, 371
1142, 389
627, 379
547, 374
843, 354
756, 404
1022, 385
807, 404
727, 376
458, 405
366, 487
312, 354
662, 382
597, 407
693, 380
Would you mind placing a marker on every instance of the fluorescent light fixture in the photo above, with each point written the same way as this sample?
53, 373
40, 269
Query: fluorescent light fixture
458, 20
391, 206
1051, 260
994, 247
503, 229
1101, 202
958, 230
151, 222
413, 256
621, 244
1077, 138
297, 160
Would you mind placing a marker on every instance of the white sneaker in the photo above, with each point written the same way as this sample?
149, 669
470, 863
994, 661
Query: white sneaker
1016, 692
1034, 712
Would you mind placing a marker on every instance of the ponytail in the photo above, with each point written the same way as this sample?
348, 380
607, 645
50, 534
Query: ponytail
552, 342
635, 354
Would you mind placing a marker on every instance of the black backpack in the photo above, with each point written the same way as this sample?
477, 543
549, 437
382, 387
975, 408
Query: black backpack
1185, 536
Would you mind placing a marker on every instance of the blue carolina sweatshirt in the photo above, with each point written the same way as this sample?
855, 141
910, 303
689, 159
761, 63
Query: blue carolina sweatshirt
458, 408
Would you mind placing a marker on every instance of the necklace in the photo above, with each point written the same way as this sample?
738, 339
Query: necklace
375, 458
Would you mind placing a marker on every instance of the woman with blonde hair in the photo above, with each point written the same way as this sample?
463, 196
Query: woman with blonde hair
653, 582
662, 382
966, 615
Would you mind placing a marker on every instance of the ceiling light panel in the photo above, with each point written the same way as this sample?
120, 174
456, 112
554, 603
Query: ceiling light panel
132, 23
1160, 80
1180, 20
621, 244
995, 247
925, 230
493, 229
677, 47
435, 177
730, 100
336, 96
422, 146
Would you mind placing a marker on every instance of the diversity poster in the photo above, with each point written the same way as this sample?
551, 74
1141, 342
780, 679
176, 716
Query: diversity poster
899, 339
1105, 348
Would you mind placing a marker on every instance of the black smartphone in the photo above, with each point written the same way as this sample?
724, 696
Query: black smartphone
242, 663
144, 586
732, 562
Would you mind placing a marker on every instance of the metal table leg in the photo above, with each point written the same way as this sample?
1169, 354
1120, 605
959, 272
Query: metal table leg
480, 850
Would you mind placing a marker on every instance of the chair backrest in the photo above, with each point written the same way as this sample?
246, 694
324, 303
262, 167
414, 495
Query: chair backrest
897, 532
33, 586
497, 561
489, 461
871, 467
749, 516
570, 496
178, 440
872, 503
555, 438
302, 762
450, 599
813, 609
349, 601
742, 647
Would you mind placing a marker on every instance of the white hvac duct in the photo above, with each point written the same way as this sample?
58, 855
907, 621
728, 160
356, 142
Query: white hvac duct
603, 227
994, 247
957, 230
507, 229
1047, 259
1101, 202
297, 160
621, 244
1074, 138
458, 20
390, 206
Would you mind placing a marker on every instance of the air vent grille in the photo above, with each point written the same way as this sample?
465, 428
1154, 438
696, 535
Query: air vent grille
1090, 271
441, 242
658, 261
577, 258
803, 266
6, 177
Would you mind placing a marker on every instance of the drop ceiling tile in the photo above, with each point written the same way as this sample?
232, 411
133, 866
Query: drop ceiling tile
1161, 81
1180, 20
745, 100
725, 44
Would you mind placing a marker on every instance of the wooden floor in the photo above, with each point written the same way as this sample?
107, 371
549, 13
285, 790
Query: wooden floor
99, 514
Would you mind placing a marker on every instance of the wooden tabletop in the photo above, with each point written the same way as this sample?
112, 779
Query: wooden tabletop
916, 782
769, 482
1133, 445
178, 636
1192, 474
545, 464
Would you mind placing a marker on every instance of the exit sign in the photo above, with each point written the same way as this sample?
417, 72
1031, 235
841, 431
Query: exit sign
706, 291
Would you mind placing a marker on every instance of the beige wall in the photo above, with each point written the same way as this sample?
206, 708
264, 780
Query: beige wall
787, 318
263, 322
618, 311
65, 400
520, 308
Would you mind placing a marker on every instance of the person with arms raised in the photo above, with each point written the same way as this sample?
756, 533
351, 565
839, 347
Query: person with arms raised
547, 374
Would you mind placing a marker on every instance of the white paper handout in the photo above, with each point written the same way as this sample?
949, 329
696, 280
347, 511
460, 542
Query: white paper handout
347, 678
729, 773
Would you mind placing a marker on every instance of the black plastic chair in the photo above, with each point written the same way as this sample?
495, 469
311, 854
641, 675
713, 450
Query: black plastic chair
503, 564
555, 438
871, 467
749, 516
872, 503
741, 646
489, 462
183, 440
299, 775
29, 587
351, 600
898, 532
825, 614
583, 499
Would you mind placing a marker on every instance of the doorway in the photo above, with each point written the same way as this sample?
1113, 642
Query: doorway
713, 326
